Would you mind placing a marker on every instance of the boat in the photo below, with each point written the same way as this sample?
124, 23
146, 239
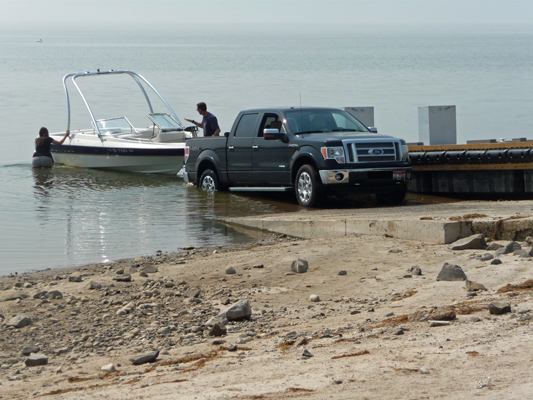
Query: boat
115, 144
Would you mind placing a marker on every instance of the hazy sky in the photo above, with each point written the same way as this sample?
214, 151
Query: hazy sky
378, 13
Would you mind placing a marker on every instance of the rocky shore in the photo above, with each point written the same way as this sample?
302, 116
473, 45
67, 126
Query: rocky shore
359, 317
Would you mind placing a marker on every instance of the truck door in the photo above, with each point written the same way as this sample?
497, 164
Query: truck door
271, 158
239, 153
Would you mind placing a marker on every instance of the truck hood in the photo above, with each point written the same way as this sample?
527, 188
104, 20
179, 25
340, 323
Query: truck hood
329, 136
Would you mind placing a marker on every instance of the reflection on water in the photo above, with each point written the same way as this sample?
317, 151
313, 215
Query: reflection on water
70, 216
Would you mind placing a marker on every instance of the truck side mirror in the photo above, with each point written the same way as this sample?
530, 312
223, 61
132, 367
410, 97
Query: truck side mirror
373, 129
226, 134
275, 134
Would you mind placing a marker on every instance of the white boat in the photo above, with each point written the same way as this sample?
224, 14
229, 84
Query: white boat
114, 143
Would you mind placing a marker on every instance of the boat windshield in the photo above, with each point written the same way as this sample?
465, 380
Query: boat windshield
322, 120
165, 122
114, 125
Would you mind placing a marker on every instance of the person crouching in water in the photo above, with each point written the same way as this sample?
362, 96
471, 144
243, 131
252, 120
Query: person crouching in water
42, 158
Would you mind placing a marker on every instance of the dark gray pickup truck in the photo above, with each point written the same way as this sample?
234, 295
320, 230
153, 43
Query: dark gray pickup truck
312, 151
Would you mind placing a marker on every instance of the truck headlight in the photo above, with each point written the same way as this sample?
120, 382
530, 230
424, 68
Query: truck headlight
333, 153
405, 152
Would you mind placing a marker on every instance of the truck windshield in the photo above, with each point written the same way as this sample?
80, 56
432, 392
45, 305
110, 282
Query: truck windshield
322, 120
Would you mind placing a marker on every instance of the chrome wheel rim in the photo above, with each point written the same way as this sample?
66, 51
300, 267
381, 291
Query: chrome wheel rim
305, 187
208, 184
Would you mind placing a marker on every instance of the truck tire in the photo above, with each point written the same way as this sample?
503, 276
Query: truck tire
394, 198
308, 187
209, 181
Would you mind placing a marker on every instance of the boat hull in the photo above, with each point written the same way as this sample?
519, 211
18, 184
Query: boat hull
162, 160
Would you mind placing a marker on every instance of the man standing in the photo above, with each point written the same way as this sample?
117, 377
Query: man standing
209, 123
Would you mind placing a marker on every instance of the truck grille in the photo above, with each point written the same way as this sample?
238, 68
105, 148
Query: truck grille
372, 151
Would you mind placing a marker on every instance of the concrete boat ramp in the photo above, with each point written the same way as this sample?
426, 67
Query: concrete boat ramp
435, 223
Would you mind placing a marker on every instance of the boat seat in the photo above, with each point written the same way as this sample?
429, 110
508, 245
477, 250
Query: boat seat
174, 136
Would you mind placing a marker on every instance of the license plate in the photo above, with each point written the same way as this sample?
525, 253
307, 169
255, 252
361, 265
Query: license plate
398, 175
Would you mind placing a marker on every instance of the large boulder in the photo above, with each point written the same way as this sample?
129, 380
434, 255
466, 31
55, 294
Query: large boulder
239, 311
36, 359
510, 247
450, 272
474, 242
145, 358
20, 321
300, 266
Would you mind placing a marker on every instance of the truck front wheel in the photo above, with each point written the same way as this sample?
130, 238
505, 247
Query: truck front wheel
308, 187
209, 181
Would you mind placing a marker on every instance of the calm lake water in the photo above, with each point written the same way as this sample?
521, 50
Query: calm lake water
66, 217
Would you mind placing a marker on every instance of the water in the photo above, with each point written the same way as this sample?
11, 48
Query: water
68, 217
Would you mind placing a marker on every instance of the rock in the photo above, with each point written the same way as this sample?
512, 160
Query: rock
149, 269
496, 261
474, 286
232, 348
75, 278
20, 321
145, 358
436, 314
424, 370
94, 285
450, 272
525, 253
192, 293
40, 295
314, 298
499, 308
122, 278
342, 273
300, 266
259, 266
108, 368
230, 271
54, 294
36, 359
62, 350
239, 311
219, 319
307, 354
10, 295
487, 257
469, 243
414, 270
494, 246
26, 351
217, 330
510, 247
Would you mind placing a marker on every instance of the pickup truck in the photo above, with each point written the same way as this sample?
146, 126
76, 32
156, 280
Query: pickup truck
311, 151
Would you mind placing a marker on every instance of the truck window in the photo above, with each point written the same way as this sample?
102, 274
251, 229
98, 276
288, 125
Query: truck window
270, 121
246, 127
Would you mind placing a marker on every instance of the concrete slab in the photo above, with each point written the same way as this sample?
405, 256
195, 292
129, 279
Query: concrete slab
442, 232
435, 223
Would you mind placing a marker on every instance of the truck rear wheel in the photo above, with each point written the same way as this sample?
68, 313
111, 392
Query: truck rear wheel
209, 181
308, 187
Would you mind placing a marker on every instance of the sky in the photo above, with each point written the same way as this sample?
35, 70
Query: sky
322, 13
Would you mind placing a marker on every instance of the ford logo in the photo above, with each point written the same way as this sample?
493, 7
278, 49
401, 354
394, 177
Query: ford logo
375, 151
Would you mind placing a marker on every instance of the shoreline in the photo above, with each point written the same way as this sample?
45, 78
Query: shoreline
359, 337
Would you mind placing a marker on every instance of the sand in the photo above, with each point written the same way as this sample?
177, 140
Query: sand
359, 338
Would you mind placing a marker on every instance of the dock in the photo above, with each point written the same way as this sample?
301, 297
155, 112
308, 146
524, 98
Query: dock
478, 167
